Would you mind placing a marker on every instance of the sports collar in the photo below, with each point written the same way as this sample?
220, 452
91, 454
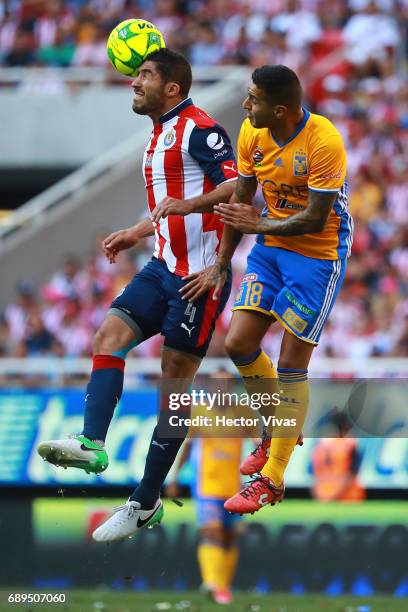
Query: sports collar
300, 127
176, 110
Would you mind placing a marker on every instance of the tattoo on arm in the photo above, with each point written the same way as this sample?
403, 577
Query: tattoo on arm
245, 189
312, 220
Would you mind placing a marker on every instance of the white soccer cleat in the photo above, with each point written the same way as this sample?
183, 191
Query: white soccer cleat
76, 451
126, 520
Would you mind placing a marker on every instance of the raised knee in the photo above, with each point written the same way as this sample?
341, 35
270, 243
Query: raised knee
174, 367
237, 347
285, 362
104, 342
292, 359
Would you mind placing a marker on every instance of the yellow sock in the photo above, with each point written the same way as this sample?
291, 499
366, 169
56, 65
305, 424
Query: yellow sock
260, 376
260, 367
211, 562
230, 560
294, 391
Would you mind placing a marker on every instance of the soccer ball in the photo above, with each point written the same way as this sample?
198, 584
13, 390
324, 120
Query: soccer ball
131, 42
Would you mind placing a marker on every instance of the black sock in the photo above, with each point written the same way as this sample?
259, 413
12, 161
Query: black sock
160, 457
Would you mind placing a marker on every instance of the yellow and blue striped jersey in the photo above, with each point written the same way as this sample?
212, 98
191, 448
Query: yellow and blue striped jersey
314, 158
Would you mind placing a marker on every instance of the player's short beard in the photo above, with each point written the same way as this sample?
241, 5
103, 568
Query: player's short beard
143, 110
260, 122
254, 122
149, 105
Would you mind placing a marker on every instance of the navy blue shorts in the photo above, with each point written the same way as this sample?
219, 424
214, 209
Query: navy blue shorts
152, 301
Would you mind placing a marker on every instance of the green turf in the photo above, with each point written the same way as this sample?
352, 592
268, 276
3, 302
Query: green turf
103, 601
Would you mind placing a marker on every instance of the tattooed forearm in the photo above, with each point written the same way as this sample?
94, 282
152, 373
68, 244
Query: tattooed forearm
245, 189
312, 220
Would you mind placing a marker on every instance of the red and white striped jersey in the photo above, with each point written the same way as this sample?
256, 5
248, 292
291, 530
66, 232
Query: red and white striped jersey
188, 155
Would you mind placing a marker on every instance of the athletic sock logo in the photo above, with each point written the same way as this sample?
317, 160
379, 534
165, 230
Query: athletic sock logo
162, 446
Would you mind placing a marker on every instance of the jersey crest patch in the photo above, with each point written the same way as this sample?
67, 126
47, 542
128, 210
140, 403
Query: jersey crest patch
300, 164
169, 139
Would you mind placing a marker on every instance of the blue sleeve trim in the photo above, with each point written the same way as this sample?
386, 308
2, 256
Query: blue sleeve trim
324, 190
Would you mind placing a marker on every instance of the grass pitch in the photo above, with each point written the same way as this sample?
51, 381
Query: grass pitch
110, 601
72, 514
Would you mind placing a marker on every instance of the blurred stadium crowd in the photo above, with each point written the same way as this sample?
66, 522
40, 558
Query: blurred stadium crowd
352, 58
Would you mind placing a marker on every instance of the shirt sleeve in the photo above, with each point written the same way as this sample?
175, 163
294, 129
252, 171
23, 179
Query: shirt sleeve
328, 165
245, 162
212, 149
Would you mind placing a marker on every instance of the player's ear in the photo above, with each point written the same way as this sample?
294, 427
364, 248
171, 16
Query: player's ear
280, 111
172, 90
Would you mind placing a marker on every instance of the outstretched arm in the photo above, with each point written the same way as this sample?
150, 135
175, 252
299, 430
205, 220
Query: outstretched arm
203, 203
126, 238
211, 150
312, 220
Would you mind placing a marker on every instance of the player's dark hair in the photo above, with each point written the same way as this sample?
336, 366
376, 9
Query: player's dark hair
280, 84
173, 68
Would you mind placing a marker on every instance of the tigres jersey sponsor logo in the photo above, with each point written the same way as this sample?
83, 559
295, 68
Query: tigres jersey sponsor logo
283, 190
307, 311
283, 203
333, 175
